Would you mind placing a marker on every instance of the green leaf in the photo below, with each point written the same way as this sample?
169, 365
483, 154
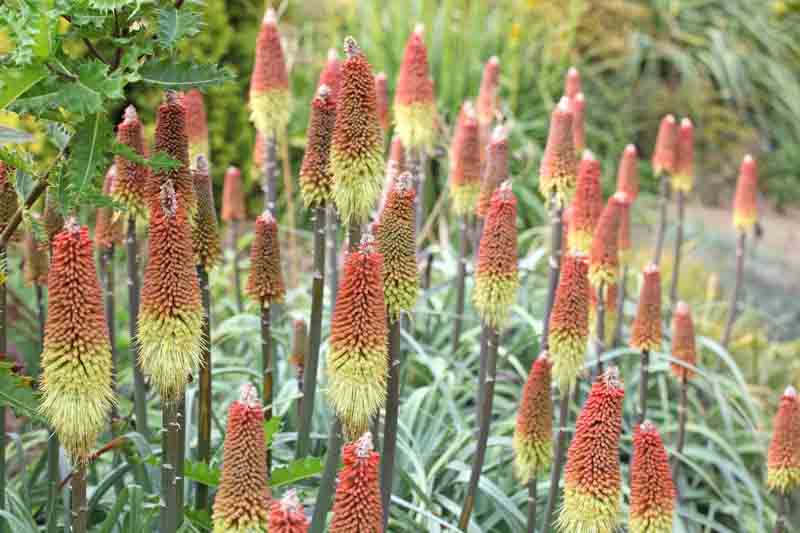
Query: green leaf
18, 393
24, 184
58, 134
109, 5
176, 24
13, 136
158, 161
296, 471
179, 75
17, 81
16, 158
271, 427
201, 473
87, 160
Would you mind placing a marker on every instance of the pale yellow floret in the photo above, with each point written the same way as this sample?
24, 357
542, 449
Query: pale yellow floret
464, 198
357, 183
580, 240
744, 222
568, 352
494, 295
269, 110
250, 526
582, 512
682, 182
400, 295
416, 124
602, 274
530, 456
357, 385
654, 521
783, 480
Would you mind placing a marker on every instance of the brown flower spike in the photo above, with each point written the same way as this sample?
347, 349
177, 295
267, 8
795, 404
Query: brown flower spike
569, 320
559, 166
233, 207
270, 99
683, 341
196, 124
108, 224
646, 329
171, 138
132, 177
465, 171
265, 282
316, 181
414, 101
205, 231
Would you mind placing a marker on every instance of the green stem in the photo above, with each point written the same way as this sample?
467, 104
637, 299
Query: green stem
53, 481
169, 459
643, 378
80, 511
673, 290
663, 202
559, 453
41, 312
556, 234
600, 327
740, 249
327, 485
268, 372
3, 349
461, 276
180, 454
204, 401
333, 254
780, 513
107, 277
270, 184
139, 389
532, 494
681, 440
237, 275
620, 307
392, 414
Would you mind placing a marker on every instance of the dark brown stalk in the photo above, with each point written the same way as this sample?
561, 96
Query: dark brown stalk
107, 273
600, 327
270, 183
673, 289
485, 421
80, 510
268, 372
315, 332
180, 454
643, 378
139, 390
663, 202
532, 496
40, 310
237, 275
333, 254
392, 414
681, 440
327, 484
3, 348
620, 307
554, 263
169, 442
740, 249
204, 400
559, 453
780, 513
461, 276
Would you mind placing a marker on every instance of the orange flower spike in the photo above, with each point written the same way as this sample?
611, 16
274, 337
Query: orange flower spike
572, 83
205, 231
783, 458
683, 341
559, 166
624, 249
331, 74
745, 203
569, 320
414, 101
242, 503
604, 257
683, 177
646, 329
196, 125
488, 103
233, 207
265, 281
578, 106
586, 205
287, 516
628, 173
108, 225
592, 478
666, 151
77, 393
316, 181
132, 177
465, 171
357, 504
171, 138
382, 100
496, 171
533, 435
270, 99
652, 499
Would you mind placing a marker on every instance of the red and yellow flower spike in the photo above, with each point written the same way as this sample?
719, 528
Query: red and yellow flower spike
270, 99
533, 434
171, 139
610, 302
414, 101
592, 479
205, 231
382, 101
108, 224
331, 74
496, 275
783, 458
683, 177
357, 350
569, 320
233, 207
559, 167
586, 205
488, 101
394, 233
286, 515
652, 500
316, 181
77, 391
8, 196
604, 257
624, 249
265, 281
496, 171
465, 170
196, 124
572, 83
36, 261
357, 505
171, 318
242, 504
132, 177
357, 146
683, 341
628, 172
578, 107
745, 203
646, 329
665, 154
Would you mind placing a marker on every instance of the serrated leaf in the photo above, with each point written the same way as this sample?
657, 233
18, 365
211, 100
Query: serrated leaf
17, 81
58, 134
271, 427
87, 160
176, 24
180, 75
18, 392
109, 5
201, 473
24, 184
296, 471
13, 136
15, 159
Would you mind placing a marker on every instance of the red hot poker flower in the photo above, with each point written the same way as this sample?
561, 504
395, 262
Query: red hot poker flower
569, 320
683, 177
665, 153
233, 207
646, 329
652, 504
465, 171
683, 341
745, 204
331, 74
196, 124
604, 258
171, 139
265, 282
414, 101
382, 100
357, 505
286, 515
559, 166
783, 458
488, 102
496, 171
586, 205
628, 173
205, 232
578, 106
572, 83
131, 177
316, 181
624, 242
533, 435
270, 99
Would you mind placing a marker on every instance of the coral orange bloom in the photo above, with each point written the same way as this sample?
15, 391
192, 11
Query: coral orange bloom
242, 504
569, 320
465, 166
233, 207
533, 434
572, 83
316, 181
652, 502
270, 99
592, 479
265, 281
382, 100
77, 392
628, 173
107, 224
171, 139
496, 171
666, 150
205, 231
414, 101
683, 177
196, 125
586, 205
488, 101
357, 505
559, 166
286, 515
578, 107
331, 74
132, 177
783, 458
745, 204
646, 329
683, 341
604, 257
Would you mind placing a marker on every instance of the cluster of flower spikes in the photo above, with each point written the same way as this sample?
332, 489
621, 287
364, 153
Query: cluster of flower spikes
77, 391
533, 434
132, 177
496, 171
465, 167
233, 208
646, 328
611, 293
270, 99
108, 228
604, 255
357, 145
496, 274
568, 330
394, 233
316, 181
745, 203
286, 515
8, 196
414, 101
487, 103
357, 505
205, 231
242, 503
357, 359
592, 479
586, 206
665, 154
683, 341
683, 178
652, 499
783, 457
265, 281
196, 124
382, 101
559, 166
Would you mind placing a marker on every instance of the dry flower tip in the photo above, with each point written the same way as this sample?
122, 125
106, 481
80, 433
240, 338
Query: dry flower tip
419, 29
201, 163
351, 48
171, 97
169, 201
270, 17
563, 105
130, 113
681, 308
790, 391
323, 91
647, 426
652, 268
248, 395
290, 501
364, 445
588, 155
611, 377
71, 225
332, 54
494, 60
403, 181
630, 149
368, 242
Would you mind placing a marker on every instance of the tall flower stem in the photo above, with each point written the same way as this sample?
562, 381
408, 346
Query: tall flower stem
134, 284
107, 277
673, 290
663, 203
80, 509
237, 275
204, 401
333, 254
559, 453
556, 230
53, 481
3, 348
600, 327
270, 183
415, 167
327, 485
492, 341
620, 306
392, 413
681, 441
643, 378
780, 513
169, 463
532, 497
740, 249
268, 372
315, 331
461, 276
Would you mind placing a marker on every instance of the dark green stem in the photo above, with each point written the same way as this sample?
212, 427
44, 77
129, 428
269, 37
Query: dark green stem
169, 458
327, 485
673, 290
663, 202
559, 453
53, 481
620, 307
268, 372
392, 414
532, 494
333, 254
683, 407
556, 233
204, 401
80, 510
139, 390
461, 276
237, 275
740, 248
780, 513
643, 378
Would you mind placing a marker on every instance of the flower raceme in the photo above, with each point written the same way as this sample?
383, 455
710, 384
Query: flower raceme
233, 207
628, 172
496, 171
270, 99
683, 341
666, 150
242, 504
592, 479
331, 75
205, 232
488, 102
382, 101
171, 138
783, 458
316, 181
357, 353
604, 257
578, 108
572, 83
265, 281
569, 320
559, 166
683, 177
77, 391
108, 224
196, 124
745, 203
586, 205
624, 248
652, 503
496, 274
286, 515
357, 505
414, 101
465, 171
533, 434
132, 177
646, 329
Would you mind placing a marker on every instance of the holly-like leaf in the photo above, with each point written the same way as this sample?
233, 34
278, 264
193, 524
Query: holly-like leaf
176, 24
109, 5
17, 81
271, 427
18, 392
14, 136
179, 75
296, 471
87, 160
201, 473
